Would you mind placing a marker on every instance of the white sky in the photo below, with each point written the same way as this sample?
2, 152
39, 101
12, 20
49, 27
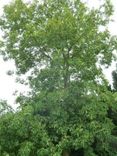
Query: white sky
7, 83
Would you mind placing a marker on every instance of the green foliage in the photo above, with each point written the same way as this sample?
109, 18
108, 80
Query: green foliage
4, 107
113, 113
60, 42
22, 133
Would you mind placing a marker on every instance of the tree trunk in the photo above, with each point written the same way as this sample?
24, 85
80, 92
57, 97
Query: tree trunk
65, 153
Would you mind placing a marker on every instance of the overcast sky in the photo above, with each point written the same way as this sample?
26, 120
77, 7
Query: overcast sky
7, 83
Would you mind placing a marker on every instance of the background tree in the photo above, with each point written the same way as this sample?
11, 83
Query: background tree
114, 77
60, 44
112, 112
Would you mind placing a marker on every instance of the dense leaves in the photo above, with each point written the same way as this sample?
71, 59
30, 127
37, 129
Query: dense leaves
61, 44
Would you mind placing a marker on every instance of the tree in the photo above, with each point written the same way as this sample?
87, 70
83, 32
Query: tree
60, 43
114, 76
112, 113
4, 107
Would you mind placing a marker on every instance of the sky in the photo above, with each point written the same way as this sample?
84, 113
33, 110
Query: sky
8, 84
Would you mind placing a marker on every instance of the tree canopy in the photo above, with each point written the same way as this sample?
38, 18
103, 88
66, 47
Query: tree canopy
62, 45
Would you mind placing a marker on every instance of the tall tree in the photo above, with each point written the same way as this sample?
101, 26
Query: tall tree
62, 45
114, 76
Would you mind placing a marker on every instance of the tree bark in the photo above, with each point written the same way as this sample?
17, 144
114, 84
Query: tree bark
65, 153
